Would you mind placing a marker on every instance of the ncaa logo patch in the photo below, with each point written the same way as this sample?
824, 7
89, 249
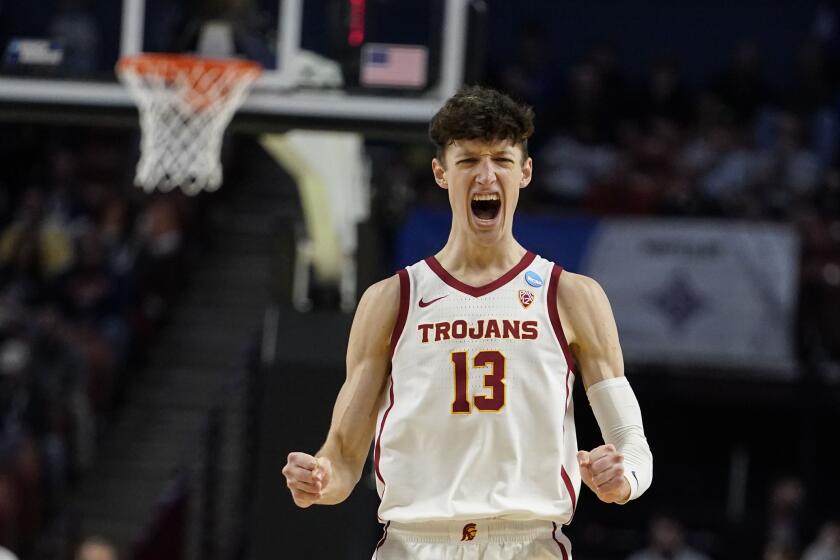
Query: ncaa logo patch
533, 279
526, 298
469, 533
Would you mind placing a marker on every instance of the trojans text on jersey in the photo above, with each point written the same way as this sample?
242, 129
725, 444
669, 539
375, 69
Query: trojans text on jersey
491, 328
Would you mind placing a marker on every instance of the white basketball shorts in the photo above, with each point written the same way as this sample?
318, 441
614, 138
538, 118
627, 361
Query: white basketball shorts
483, 539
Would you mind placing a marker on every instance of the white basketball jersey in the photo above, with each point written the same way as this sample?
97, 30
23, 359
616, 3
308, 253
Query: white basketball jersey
478, 419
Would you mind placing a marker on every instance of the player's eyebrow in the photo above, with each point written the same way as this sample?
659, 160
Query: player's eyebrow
466, 153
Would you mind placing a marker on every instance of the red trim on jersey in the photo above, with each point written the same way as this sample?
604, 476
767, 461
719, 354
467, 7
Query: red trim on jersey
562, 548
405, 289
566, 479
376, 449
478, 291
554, 315
382, 540
571, 488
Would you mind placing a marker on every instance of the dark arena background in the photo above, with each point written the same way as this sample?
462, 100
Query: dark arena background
161, 353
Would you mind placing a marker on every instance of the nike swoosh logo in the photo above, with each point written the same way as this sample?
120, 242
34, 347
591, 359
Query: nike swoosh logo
634, 476
430, 302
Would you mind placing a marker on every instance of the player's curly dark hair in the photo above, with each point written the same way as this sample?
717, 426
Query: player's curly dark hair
480, 113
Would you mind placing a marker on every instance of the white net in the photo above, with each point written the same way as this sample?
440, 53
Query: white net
185, 104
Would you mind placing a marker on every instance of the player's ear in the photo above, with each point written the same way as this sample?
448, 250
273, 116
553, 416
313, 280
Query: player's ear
527, 171
439, 173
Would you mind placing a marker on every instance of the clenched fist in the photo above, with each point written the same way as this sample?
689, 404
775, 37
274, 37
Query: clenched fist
307, 478
602, 470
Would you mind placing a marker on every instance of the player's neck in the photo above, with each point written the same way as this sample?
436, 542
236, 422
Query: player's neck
476, 264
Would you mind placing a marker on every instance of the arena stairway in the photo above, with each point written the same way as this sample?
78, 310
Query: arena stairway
196, 363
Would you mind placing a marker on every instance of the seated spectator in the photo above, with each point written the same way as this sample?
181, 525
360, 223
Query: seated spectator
571, 167
788, 521
605, 59
33, 252
789, 172
96, 548
645, 178
667, 542
743, 87
777, 551
76, 30
585, 111
161, 236
827, 544
820, 275
813, 87
664, 95
722, 163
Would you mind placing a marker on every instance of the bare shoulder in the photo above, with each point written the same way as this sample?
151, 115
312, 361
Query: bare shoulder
590, 327
383, 295
377, 313
577, 293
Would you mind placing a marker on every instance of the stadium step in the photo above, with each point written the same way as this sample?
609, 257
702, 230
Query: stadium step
190, 315
226, 295
244, 243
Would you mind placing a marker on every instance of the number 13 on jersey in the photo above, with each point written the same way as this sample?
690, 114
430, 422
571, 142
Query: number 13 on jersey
494, 380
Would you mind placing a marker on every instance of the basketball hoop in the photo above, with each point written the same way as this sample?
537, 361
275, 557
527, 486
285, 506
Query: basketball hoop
185, 103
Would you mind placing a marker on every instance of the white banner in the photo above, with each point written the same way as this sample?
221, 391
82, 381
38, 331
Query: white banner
700, 293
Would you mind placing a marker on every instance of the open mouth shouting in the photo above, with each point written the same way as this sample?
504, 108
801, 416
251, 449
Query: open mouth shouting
485, 208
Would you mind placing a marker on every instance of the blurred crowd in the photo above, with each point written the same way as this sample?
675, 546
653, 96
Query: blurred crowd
88, 268
788, 530
735, 147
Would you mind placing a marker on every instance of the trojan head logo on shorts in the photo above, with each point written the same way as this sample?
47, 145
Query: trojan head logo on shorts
526, 298
469, 532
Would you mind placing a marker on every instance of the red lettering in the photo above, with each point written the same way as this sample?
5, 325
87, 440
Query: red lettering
460, 405
510, 329
529, 330
477, 332
459, 329
442, 331
425, 327
495, 380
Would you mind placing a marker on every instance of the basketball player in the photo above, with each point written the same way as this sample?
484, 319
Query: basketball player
460, 368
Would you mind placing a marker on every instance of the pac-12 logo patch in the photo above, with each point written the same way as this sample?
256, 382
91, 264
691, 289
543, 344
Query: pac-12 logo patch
470, 531
526, 298
533, 279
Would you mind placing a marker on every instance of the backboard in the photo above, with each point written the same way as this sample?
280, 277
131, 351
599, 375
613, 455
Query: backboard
325, 61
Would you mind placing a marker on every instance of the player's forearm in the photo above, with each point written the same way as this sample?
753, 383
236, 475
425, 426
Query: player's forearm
619, 417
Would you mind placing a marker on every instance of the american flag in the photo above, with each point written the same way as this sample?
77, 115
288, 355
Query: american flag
387, 65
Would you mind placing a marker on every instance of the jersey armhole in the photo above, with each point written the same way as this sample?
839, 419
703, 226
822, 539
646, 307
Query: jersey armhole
402, 315
554, 315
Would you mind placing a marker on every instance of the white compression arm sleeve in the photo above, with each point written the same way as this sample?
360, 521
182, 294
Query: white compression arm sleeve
620, 419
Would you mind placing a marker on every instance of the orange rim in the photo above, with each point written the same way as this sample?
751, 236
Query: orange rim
169, 66
199, 92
